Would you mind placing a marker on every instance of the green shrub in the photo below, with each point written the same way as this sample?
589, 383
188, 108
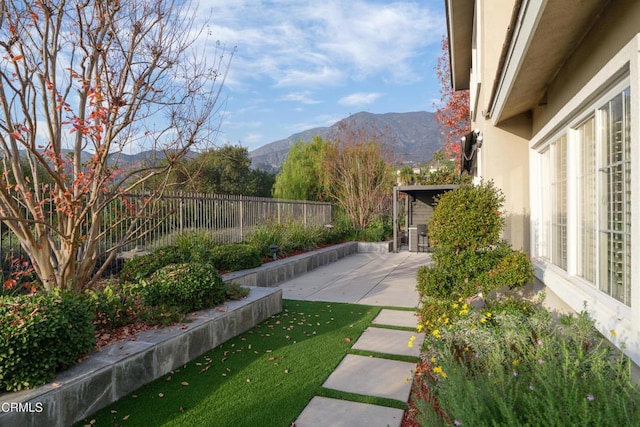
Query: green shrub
513, 270
189, 286
235, 256
467, 218
468, 256
522, 368
265, 235
434, 282
234, 291
289, 237
143, 266
39, 335
113, 306
195, 246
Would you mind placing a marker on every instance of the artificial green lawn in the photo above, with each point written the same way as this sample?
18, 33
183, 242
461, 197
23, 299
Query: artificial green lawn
264, 377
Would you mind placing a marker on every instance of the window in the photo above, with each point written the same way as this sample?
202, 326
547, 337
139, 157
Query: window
586, 192
596, 207
615, 187
559, 203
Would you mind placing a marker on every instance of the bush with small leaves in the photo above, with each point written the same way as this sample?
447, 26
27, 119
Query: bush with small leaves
467, 218
189, 286
235, 291
138, 268
235, 256
41, 334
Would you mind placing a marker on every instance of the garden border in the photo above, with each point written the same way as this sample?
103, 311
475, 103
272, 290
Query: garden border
275, 272
120, 368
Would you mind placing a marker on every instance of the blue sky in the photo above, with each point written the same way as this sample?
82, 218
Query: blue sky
304, 64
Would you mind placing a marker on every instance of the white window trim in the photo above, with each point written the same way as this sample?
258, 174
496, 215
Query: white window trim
622, 70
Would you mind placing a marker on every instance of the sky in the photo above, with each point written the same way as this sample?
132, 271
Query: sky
305, 64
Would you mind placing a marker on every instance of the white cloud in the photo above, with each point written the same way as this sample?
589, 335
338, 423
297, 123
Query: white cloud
303, 97
297, 44
359, 99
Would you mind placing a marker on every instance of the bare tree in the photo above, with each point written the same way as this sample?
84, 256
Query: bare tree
80, 76
360, 177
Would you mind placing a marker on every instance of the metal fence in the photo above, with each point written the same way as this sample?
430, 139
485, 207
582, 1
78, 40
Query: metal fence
225, 218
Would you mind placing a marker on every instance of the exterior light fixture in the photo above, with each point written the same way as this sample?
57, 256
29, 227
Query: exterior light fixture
274, 251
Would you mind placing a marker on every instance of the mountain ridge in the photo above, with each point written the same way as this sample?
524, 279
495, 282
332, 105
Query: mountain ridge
415, 136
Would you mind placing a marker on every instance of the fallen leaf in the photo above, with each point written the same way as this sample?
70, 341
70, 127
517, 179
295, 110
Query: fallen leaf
347, 339
160, 394
181, 409
271, 359
184, 383
125, 418
169, 378
113, 411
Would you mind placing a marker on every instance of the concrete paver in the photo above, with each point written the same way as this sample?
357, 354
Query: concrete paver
407, 319
372, 376
390, 341
373, 279
323, 412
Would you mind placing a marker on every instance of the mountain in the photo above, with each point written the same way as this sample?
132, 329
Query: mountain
415, 137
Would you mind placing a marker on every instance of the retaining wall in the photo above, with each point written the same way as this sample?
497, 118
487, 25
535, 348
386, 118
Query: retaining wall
120, 368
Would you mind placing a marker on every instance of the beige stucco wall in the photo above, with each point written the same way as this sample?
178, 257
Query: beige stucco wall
504, 160
503, 157
613, 30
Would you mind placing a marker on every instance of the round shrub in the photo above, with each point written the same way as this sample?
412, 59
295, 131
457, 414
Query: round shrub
235, 256
467, 218
189, 286
143, 266
39, 335
512, 270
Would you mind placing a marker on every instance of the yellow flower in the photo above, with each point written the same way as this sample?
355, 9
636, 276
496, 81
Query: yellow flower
446, 320
489, 314
483, 320
433, 360
455, 305
613, 332
515, 362
465, 306
463, 312
419, 328
438, 370
436, 333
410, 344
413, 338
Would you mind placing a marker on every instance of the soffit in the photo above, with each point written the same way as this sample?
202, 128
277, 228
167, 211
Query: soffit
459, 15
546, 34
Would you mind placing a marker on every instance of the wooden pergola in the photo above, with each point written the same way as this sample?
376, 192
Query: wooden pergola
419, 205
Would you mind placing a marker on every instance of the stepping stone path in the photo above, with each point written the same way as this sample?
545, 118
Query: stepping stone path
370, 376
